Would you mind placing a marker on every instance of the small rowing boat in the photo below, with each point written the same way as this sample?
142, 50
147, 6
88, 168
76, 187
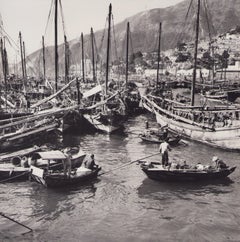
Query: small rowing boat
156, 171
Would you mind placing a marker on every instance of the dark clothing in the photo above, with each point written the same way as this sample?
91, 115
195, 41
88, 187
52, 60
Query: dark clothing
90, 164
165, 158
221, 164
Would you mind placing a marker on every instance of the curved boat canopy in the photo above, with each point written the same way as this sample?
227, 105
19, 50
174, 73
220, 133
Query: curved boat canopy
50, 155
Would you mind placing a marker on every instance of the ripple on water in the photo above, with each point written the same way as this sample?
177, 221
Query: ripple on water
125, 205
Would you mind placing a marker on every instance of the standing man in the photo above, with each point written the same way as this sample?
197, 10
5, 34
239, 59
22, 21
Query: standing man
163, 149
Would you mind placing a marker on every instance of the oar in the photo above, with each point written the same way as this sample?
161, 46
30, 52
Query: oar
5, 216
128, 163
130, 132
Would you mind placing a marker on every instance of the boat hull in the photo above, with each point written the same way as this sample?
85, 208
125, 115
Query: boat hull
226, 137
11, 173
171, 141
57, 181
107, 128
186, 176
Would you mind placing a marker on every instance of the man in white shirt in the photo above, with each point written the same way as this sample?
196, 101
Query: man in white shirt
163, 149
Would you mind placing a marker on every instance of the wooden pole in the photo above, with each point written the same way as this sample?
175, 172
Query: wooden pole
93, 56
127, 53
44, 61
24, 60
66, 59
159, 52
56, 45
2, 56
108, 47
128, 163
83, 68
5, 216
21, 50
195, 56
78, 91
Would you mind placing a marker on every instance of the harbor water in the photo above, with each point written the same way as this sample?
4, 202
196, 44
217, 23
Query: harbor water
125, 205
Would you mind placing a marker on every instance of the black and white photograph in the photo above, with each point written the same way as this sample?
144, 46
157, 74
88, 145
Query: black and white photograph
119, 120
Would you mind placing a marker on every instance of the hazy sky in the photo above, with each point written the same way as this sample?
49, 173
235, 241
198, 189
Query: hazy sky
30, 16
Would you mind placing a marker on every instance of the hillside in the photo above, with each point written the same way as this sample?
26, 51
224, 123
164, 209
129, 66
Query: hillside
144, 30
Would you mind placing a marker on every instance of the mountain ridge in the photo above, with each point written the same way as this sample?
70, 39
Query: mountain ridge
144, 30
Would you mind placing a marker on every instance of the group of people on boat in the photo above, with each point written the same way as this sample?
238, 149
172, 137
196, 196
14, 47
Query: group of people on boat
202, 115
164, 148
88, 164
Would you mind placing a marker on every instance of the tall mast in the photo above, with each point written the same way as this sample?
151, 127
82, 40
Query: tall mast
108, 47
44, 62
78, 91
66, 59
24, 60
21, 50
3, 55
127, 53
6, 61
83, 72
56, 45
93, 57
159, 52
195, 56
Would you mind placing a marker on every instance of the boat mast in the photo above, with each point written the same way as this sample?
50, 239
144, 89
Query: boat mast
44, 62
21, 50
127, 53
56, 45
93, 57
66, 59
78, 91
4, 66
108, 47
159, 52
83, 71
195, 56
24, 60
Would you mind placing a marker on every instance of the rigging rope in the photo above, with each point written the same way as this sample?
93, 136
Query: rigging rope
180, 34
10, 40
96, 56
49, 15
114, 38
63, 24
208, 18
103, 36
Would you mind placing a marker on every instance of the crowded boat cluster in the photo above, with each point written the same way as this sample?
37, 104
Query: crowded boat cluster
104, 106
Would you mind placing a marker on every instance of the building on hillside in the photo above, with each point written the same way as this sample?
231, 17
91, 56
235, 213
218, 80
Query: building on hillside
204, 73
232, 72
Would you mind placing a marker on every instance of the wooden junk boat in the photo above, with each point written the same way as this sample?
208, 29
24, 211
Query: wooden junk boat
156, 171
11, 172
15, 166
10, 165
217, 126
64, 177
111, 115
157, 136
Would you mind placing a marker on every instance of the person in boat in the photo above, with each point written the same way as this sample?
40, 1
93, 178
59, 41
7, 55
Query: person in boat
165, 133
199, 166
67, 165
90, 163
163, 149
219, 163
185, 165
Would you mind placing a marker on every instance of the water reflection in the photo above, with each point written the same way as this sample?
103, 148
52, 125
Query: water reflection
149, 188
49, 204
